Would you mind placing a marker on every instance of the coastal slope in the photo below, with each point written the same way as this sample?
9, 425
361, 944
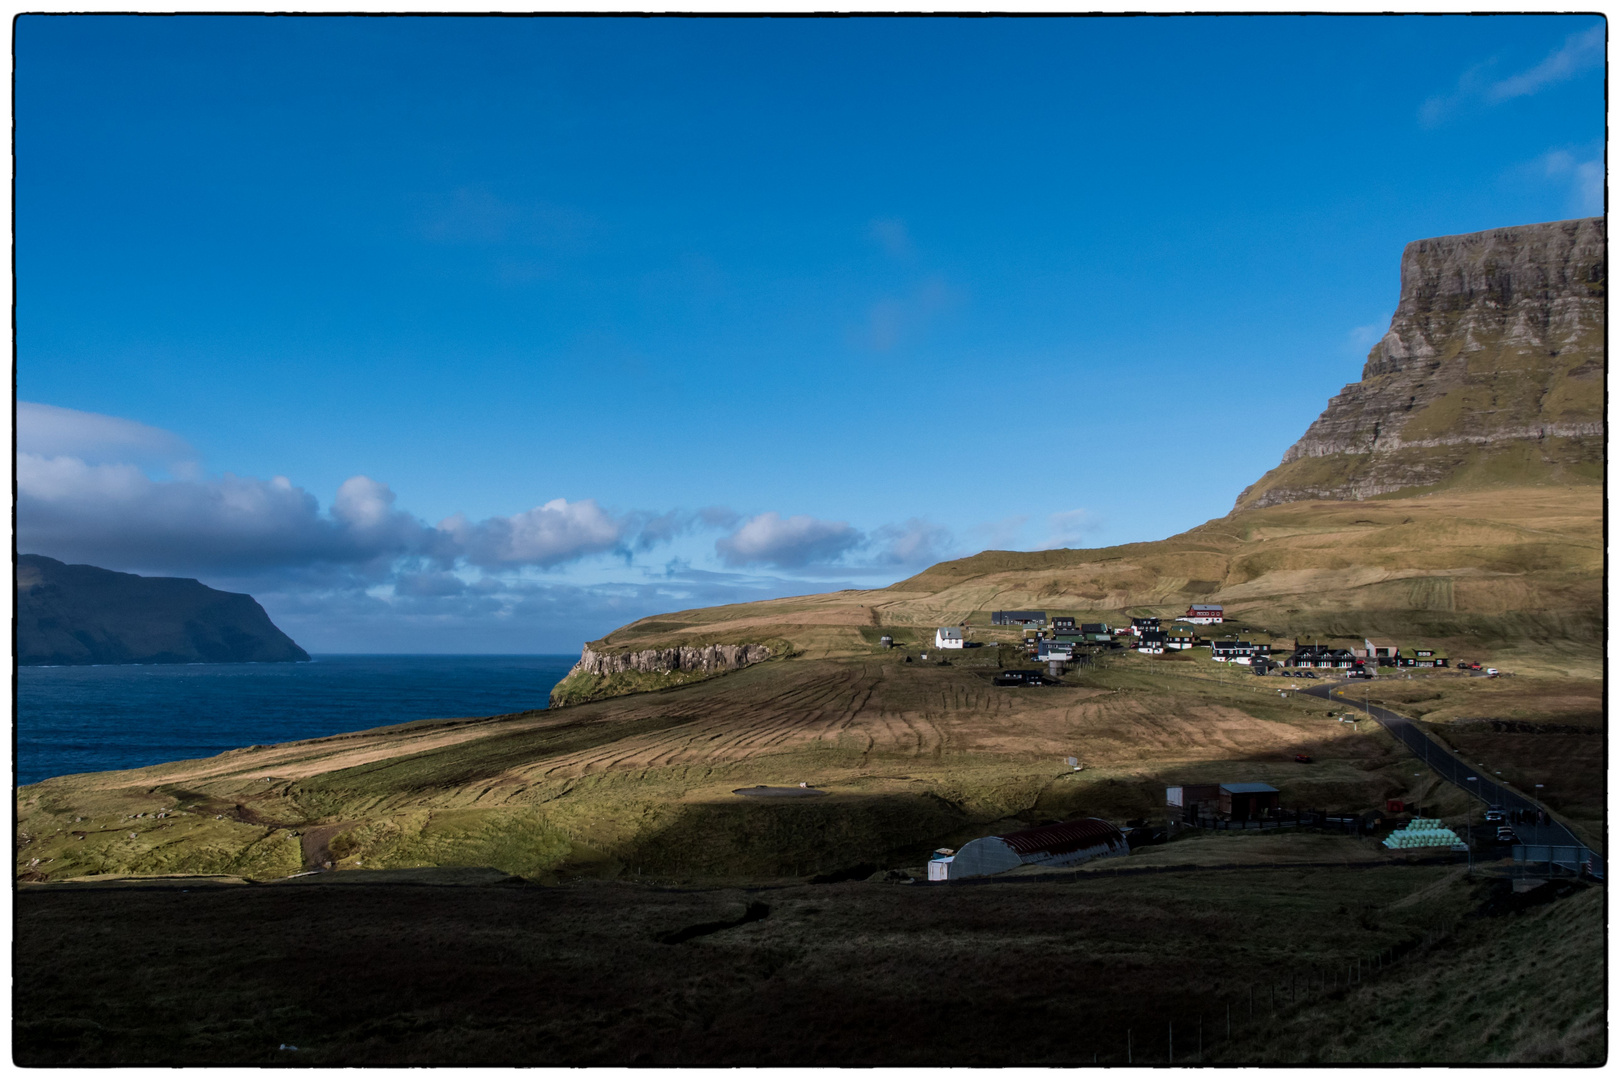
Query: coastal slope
77, 614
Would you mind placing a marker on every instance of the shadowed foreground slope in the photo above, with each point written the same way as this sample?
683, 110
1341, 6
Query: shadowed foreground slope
436, 972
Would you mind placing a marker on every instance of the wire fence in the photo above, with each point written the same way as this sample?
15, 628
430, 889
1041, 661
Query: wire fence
1236, 1017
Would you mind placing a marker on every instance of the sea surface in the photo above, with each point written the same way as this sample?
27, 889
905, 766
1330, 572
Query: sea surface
85, 719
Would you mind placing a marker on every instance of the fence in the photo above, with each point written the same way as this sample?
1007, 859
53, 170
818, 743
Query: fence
1550, 860
1242, 1014
1280, 819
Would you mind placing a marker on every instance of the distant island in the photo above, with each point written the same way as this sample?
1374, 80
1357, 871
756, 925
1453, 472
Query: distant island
76, 614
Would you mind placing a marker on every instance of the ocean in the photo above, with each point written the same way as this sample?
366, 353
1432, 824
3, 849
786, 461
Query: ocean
85, 719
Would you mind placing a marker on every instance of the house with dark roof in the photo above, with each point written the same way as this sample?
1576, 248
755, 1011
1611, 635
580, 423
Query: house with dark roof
1238, 652
1151, 641
1322, 656
1069, 843
1139, 625
1245, 802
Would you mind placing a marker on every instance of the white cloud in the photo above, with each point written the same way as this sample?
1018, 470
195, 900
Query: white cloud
1585, 180
914, 543
115, 515
548, 535
1578, 53
770, 539
51, 431
1069, 528
1472, 84
1362, 338
1001, 535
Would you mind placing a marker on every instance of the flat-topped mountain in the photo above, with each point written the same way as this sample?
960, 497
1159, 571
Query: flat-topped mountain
1491, 373
75, 614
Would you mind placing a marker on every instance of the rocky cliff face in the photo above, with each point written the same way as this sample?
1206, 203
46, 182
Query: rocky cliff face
705, 658
1492, 371
75, 614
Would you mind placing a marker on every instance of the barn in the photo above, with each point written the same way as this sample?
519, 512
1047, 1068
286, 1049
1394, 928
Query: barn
1244, 802
1069, 843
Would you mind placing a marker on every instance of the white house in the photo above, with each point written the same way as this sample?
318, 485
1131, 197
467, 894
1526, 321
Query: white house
948, 637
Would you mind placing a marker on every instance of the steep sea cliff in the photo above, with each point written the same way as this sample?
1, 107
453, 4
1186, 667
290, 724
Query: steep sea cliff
1492, 370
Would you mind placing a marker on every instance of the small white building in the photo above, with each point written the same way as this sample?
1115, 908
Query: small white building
948, 637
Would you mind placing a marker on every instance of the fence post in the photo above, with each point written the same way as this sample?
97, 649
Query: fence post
1127, 1046
1170, 1052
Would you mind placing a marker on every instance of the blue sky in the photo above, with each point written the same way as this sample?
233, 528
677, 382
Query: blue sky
458, 335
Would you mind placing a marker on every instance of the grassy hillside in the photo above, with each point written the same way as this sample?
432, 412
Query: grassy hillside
1508, 574
916, 754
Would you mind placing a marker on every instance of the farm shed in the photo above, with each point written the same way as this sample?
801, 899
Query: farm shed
1243, 802
1017, 618
1191, 796
1067, 844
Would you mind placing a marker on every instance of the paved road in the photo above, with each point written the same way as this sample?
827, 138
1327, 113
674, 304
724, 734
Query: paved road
1471, 778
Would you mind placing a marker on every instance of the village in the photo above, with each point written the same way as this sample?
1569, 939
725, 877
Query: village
1060, 639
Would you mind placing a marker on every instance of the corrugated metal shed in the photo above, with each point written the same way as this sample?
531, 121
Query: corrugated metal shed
1066, 844
1062, 838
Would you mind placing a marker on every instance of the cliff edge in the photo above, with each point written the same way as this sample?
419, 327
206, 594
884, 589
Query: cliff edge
75, 614
1491, 372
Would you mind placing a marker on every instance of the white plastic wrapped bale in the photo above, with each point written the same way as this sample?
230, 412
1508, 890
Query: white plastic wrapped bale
1069, 843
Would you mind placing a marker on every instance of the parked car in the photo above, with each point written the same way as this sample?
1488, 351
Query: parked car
1492, 671
1469, 667
1303, 759
1360, 674
1308, 675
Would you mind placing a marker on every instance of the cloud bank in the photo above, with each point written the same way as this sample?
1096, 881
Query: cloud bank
364, 573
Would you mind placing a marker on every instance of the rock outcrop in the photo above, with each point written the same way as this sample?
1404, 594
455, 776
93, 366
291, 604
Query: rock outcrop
1492, 371
76, 614
705, 658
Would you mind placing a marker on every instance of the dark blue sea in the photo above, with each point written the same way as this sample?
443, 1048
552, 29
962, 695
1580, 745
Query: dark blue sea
84, 719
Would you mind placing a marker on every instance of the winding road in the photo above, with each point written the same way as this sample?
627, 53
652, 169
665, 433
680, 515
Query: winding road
1470, 778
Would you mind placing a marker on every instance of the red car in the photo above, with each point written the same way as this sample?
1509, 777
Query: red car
1304, 759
